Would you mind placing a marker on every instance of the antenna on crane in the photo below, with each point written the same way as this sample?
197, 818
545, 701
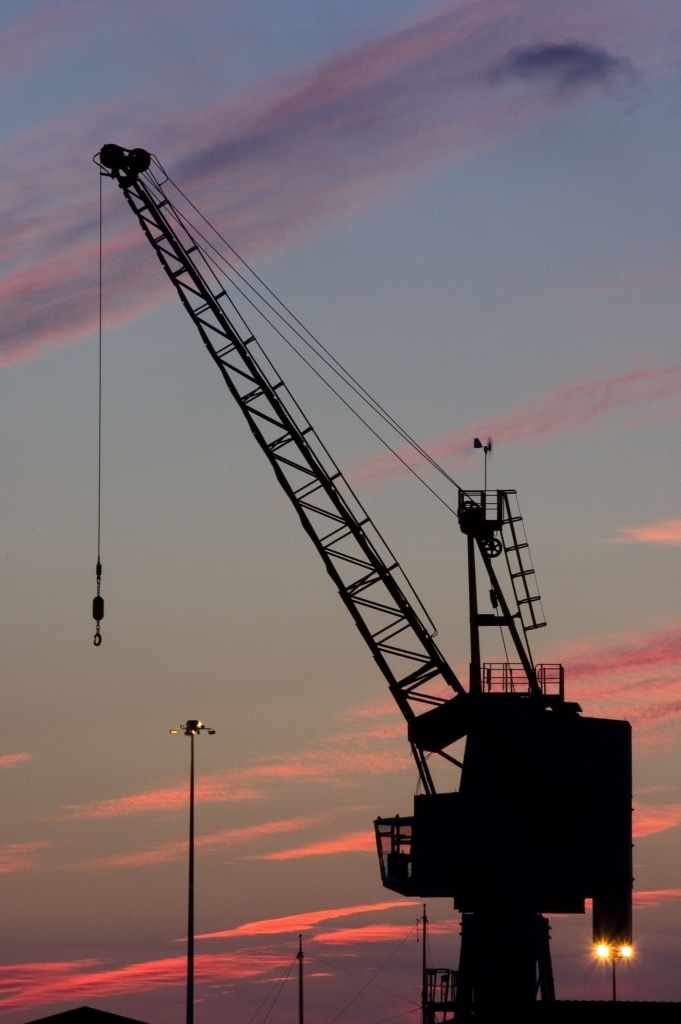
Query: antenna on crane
487, 448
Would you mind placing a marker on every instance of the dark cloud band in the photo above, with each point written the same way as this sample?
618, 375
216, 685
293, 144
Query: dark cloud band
565, 65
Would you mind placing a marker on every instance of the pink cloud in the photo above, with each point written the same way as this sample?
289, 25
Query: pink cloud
656, 898
212, 841
209, 789
35, 972
381, 933
629, 654
367, 933
12, 760
649, 819
350, 842
25, 985
298, 152
80, 981
20, 856
31, 38
345, 757
569, 408
306, 921
378, 707
339, 764
667, 532
636, 676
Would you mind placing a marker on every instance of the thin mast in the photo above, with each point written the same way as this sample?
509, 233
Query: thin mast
424, 976
300, 956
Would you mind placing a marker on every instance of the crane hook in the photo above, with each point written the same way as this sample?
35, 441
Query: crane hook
98, 607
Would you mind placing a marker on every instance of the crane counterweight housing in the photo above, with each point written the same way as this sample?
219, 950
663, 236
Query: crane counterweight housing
538, 824
541, 819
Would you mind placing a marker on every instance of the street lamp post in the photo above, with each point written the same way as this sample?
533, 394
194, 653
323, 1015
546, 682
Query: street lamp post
191, 728
614, 953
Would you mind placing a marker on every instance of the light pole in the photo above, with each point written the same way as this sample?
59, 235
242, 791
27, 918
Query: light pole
192, 728
614, 953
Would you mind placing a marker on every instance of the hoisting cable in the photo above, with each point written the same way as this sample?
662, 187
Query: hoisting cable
321, 351
98, 600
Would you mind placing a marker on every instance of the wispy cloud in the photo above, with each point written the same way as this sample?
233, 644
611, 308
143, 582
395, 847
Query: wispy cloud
346, 757
21, 856
649, 819
381, 932
31, 38
80, 981
666, 532
366, 933
212, 841
349, 842
656, 898
209, 789
12, 760
25, 985
636, 676
575, 407
304, 922
299, 151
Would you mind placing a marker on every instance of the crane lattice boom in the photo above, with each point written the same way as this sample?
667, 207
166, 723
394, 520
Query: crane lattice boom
355, 555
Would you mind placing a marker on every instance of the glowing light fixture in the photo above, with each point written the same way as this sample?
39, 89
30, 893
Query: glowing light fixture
613, 953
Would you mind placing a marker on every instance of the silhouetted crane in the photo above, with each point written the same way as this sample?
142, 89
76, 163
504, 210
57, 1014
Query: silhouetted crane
541, 820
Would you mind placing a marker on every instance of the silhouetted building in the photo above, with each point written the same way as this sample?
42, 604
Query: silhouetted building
86, 1015
568, 1011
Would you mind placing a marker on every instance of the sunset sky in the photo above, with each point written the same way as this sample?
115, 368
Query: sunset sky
476, 206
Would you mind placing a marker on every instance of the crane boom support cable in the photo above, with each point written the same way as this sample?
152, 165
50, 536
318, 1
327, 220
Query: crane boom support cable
320, 351
173, 214
311, 341
365, 423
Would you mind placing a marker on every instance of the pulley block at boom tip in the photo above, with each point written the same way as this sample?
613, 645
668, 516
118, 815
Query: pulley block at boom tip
125, 165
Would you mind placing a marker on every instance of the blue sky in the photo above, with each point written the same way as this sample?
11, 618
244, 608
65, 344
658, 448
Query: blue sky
475, 206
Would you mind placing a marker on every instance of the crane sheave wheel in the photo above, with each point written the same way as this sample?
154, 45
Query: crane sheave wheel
492, 546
